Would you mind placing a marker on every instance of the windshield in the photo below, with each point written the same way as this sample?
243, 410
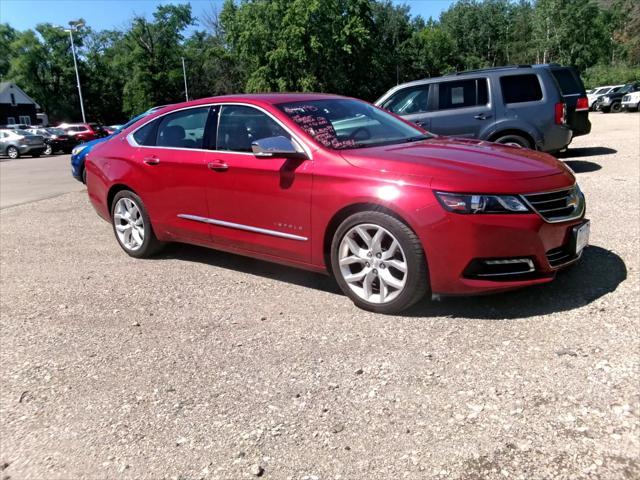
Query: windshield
23, 132
55, 131
344, 123
603, 90
627, 89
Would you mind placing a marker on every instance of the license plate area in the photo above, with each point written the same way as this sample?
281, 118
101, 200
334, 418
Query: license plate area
580, 236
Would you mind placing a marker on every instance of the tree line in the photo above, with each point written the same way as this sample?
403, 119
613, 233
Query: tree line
353, 47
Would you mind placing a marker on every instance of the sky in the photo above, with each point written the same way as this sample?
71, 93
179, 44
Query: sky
115, 14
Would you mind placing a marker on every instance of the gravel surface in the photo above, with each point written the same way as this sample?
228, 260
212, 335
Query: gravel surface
204, 365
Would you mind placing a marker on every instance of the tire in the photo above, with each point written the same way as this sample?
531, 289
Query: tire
512, 139
48, 150
84, 176
382, 274
13, 152
128, 210
616, 107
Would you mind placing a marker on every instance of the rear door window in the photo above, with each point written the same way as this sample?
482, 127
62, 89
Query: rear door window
463, 93
183, 129
146, 135
409, 100
568, 80
520, 88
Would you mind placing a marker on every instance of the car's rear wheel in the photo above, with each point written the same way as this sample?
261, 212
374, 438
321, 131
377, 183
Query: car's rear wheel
48, 150
514, 140
132, 226
12, 152
616, 107
379, 262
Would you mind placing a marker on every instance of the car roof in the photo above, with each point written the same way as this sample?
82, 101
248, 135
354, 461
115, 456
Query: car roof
253, 98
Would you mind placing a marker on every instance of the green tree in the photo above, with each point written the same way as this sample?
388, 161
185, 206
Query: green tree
150, 54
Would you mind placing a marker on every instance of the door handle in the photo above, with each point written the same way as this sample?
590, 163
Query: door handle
218, 166
481, 116
153, 160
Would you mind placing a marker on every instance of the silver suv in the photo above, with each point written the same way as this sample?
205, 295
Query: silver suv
533, 106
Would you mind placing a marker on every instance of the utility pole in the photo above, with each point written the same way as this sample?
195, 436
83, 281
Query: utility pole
74, 26
184, 74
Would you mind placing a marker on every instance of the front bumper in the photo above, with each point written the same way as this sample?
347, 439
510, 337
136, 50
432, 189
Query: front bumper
457, 241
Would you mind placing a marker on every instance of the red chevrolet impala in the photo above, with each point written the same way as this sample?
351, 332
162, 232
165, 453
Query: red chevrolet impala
334, 184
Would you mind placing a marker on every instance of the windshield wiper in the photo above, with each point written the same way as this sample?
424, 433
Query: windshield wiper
417, 138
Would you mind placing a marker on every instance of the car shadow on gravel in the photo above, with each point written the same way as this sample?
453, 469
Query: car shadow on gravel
586, 152
599, 272
583, 166
239, 263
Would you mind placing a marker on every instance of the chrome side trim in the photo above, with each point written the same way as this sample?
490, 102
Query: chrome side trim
526, 261
239, 226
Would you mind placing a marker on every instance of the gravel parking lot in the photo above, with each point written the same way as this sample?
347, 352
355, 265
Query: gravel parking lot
204, 365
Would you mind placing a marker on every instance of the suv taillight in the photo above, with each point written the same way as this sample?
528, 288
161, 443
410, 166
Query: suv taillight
561, 113
582, 104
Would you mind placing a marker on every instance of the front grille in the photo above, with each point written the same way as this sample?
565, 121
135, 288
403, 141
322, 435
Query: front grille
559, 256
626, 98
557, 206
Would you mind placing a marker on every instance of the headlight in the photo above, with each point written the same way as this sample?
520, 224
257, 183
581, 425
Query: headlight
469, 203
78, 149
606, 99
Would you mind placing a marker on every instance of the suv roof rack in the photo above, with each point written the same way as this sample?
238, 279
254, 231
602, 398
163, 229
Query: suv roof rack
488, 69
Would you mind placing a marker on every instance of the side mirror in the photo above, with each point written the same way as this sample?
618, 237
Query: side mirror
278, 147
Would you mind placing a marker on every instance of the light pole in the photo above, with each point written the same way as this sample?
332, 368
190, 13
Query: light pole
184, 74
74, 26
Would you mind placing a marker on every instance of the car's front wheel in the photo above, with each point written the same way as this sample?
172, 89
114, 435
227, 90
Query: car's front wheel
12, 152
48, 150
379, 263
616, 107
132, 226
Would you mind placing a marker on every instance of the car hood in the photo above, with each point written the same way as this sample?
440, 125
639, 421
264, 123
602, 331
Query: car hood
456, 159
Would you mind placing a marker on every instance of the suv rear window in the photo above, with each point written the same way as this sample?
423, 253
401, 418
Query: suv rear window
569, 82
520, 88
463, 93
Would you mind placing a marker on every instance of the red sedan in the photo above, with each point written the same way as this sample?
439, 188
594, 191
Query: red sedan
334, 184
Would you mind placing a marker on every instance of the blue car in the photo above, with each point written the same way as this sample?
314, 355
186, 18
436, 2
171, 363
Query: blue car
79, 152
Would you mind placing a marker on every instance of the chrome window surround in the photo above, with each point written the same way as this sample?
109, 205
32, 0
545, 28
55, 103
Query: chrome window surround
578, 213
240, 226
295, 137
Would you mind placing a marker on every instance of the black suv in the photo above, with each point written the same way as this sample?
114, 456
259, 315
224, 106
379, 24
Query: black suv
533, 106
612, 102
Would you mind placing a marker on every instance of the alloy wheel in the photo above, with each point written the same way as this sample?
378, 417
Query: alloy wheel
372, 263
129, 224
12, 152
48, 150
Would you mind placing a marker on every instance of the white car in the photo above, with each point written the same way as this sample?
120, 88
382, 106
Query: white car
598, 92
631, 101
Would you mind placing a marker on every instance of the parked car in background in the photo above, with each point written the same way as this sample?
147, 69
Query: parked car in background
84, 132
337, 185
55, 139
612, 101
14, 143
631, 101
111, 129
79, 153
534, 106
599, 91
